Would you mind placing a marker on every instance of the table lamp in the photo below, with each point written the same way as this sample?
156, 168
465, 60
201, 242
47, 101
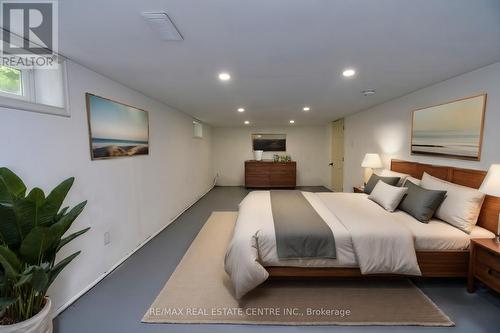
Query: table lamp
491, 186
370, 162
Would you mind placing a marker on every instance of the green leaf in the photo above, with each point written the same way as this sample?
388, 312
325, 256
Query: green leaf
36, 243
19, 217
61, 214
5, 302
40, 280
26, 214
9, 230
61, 226
54, 272
41, 243
27, 210
53, 202
3, 280
36, 277
10, 186
37, 196
9, 262
69, 238
25, 278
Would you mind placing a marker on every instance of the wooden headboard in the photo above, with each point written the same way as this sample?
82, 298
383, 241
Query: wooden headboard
488, 218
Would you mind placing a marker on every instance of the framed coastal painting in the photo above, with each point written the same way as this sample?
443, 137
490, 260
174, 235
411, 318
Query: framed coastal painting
453, 129
269, 142
116, 129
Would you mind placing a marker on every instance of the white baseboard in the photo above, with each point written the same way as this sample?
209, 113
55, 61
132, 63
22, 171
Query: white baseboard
63, 307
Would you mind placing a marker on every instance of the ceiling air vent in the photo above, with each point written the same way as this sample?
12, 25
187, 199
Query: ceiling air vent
368, 92
162, 25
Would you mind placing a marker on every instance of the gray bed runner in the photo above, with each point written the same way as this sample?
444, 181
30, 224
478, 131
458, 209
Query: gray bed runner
300, 231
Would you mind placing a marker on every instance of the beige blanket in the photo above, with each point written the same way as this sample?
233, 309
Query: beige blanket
381, 243
363, 230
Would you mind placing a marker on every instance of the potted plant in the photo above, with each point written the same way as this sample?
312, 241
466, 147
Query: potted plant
31, 233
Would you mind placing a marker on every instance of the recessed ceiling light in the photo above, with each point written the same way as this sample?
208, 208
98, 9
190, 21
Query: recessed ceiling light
306, 108
349, 72
241, 110
224, 76
247, 122
292, 121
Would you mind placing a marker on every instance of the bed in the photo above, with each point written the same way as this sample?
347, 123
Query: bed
436, 249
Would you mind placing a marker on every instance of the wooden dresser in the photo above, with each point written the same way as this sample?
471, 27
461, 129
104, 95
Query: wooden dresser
269, 174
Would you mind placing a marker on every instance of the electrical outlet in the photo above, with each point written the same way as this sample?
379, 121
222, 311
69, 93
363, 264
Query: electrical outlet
107, 238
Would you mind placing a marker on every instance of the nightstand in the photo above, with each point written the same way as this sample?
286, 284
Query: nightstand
358, 189
484, 263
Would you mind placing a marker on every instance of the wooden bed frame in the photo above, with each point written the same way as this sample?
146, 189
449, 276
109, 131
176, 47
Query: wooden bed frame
432, 263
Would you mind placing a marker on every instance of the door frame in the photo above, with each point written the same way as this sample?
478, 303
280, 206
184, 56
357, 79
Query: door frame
334, 128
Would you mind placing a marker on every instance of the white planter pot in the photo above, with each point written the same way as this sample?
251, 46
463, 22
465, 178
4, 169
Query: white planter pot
40, 323
257, 154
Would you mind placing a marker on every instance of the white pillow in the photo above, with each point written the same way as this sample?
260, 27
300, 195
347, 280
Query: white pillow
387, 196
415, 181
461, 206
390, 173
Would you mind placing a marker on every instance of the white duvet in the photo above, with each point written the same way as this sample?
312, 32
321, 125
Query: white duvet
365, 236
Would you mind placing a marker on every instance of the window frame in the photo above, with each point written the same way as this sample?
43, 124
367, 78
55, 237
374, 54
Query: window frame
26, 101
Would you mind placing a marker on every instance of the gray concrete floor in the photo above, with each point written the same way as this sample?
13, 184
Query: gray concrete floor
118, 303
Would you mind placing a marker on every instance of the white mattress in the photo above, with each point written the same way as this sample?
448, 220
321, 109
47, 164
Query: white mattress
433, 236
438, 235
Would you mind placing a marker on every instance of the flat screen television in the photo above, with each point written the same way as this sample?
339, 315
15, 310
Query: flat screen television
269, 142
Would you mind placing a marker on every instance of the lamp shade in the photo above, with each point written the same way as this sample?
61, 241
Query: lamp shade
491, 183
372, 161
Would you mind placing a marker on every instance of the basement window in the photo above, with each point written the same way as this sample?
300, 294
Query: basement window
197, 129
34, 89
11, 82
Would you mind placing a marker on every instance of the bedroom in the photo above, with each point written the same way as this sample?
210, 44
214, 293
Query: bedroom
174, 124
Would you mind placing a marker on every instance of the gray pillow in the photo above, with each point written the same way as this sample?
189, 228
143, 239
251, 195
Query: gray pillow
374, 180
420, 202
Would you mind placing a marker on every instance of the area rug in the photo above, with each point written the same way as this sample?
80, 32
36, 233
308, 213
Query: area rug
199, 291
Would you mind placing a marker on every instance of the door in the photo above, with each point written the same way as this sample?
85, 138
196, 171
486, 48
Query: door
337, 156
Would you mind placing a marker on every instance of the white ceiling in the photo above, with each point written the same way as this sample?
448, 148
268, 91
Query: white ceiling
282, 54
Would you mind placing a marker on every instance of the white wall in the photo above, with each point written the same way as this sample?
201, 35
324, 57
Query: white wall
132, 198
385, 129
308, 146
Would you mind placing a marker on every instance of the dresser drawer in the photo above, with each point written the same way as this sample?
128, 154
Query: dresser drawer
257, 167
488, 275
488, 258
256, 180
287, 182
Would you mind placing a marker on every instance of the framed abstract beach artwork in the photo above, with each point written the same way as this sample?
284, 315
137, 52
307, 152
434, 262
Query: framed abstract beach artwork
269, 142
116, 129
453, 129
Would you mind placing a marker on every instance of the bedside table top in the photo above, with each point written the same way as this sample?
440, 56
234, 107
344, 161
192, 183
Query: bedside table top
488, 243
358, 189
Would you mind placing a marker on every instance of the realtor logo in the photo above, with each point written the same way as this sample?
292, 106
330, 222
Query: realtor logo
29, 31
